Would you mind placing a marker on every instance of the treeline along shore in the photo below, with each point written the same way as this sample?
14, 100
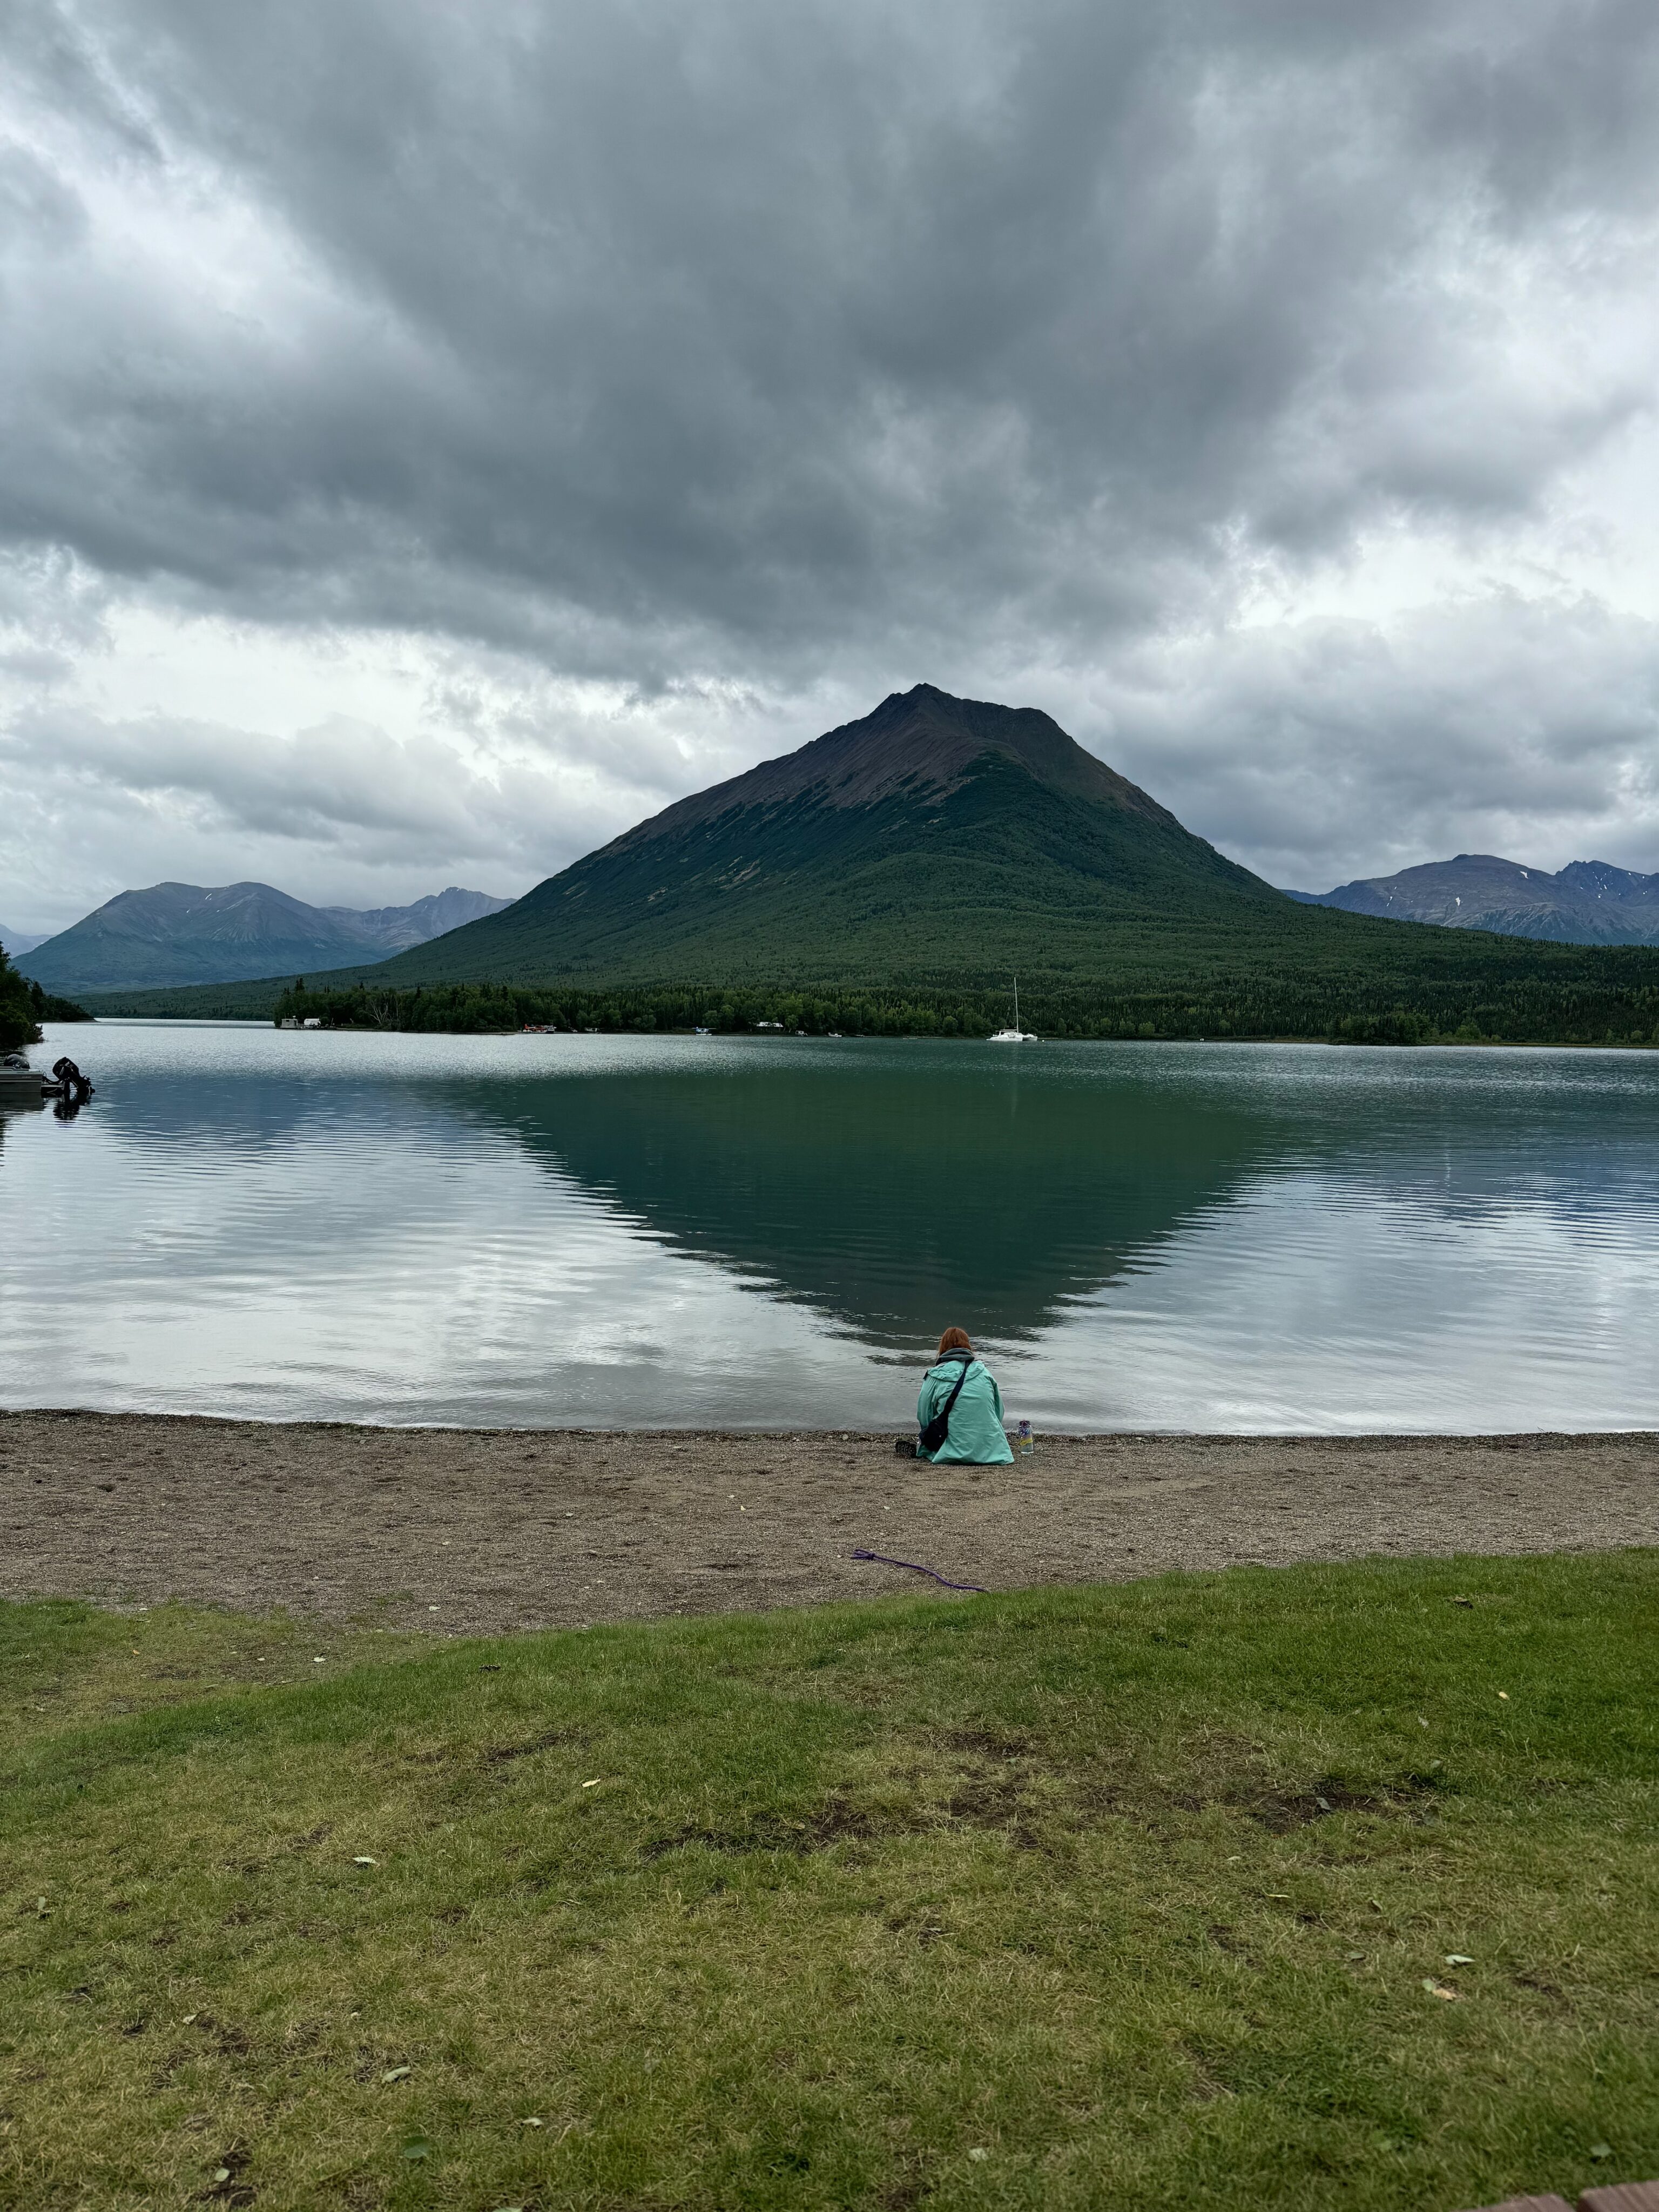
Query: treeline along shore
24, 1006
1576, 1009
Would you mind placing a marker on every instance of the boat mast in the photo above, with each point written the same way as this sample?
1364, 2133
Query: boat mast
1017, 1004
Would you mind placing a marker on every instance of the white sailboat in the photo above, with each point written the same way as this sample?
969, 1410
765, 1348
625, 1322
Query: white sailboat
1015, 1035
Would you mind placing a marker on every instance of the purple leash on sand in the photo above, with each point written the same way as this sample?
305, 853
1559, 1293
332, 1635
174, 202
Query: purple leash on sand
882, 1560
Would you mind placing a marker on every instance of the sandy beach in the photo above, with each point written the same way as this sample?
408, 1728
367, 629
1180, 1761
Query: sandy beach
465, 1531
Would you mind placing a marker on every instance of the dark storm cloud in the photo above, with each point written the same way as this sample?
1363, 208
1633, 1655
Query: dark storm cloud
607, 329
836, 344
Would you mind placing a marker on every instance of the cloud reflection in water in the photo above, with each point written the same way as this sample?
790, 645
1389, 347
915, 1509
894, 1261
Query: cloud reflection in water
654, 1231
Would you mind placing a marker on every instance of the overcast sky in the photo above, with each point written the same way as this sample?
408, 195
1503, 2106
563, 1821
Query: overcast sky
432, 438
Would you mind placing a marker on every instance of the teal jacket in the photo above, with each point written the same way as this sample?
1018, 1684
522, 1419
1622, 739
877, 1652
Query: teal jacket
977, 1437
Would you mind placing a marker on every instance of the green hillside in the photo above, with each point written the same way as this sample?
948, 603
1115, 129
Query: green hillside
942, 843
976, 839
895, 872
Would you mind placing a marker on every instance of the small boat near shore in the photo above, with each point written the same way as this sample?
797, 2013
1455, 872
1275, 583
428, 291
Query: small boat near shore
23, 1086
20, 1084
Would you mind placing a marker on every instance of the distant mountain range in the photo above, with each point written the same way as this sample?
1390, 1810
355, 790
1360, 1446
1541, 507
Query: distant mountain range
1589, 902
891, 874
16, 942
176, 933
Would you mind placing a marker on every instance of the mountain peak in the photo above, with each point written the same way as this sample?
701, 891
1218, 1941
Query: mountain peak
923, 740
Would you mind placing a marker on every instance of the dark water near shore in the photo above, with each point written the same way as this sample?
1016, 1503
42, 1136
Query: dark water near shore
642, 1231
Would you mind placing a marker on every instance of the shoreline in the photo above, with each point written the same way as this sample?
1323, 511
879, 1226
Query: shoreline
478, 1531
906, 1036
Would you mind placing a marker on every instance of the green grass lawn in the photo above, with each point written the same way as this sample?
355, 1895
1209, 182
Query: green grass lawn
1141, 1895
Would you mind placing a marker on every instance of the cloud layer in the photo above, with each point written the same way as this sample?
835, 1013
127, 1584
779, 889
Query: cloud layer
433, 435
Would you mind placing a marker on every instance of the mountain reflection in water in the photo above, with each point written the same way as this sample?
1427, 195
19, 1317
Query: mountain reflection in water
894, 1200
650, 1231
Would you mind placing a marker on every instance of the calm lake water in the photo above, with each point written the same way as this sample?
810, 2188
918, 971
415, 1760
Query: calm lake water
645, 1232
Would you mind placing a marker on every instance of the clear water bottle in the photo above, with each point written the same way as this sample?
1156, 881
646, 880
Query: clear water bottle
1026, 1442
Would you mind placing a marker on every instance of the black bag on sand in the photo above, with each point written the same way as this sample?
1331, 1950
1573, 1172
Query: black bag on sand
939, 1427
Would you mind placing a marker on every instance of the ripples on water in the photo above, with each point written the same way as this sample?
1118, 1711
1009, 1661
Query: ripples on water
597, 1232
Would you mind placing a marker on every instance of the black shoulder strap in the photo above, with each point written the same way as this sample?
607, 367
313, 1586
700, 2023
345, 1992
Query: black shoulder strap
938, 1428
967, 1360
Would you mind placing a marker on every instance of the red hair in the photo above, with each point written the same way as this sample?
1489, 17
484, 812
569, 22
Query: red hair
954, 1339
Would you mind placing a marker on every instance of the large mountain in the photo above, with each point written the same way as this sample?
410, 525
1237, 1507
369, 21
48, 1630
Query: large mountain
184, 933
1589, 902
906, 862
937, 838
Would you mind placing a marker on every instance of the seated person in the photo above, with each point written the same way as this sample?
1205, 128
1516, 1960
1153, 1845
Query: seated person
975, 1437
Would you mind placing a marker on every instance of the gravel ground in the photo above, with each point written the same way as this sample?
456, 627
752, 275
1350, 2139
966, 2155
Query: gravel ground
460, 1531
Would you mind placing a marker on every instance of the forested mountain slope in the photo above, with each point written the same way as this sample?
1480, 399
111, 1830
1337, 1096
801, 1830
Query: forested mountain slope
936, 839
